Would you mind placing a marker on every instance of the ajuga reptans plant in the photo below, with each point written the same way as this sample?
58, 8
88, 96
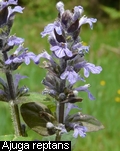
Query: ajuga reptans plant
64, 66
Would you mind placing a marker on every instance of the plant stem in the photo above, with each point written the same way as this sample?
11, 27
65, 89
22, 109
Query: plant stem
58, 136
61, 112
61, 105
13, 105
16, 118
61, 120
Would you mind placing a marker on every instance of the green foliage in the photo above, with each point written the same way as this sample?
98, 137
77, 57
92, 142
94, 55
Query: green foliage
40, 98
39, 116
14, 138
35, 7
88, 121
6, 137
112, 12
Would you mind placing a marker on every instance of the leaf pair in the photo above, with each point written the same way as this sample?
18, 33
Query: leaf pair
37, 115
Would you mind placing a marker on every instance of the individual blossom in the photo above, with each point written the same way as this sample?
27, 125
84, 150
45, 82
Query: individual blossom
13, 40
21, 55
80, 48
4, 4
85, 20
85, 88
43, 55
70, 75
9, 13
79, 130
16, 9
89, 67
51, 64
60, 7
50, 28
68, 108
61, 50
78, 10
17, 78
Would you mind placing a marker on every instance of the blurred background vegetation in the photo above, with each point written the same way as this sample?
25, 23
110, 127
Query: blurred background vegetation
104, 41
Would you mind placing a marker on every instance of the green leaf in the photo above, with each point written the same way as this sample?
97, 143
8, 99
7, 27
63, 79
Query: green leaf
89, 121
38, 97
69, 137
20, 138
92, 127
6, 137
36, 115
14, 138
113, 13
49, 138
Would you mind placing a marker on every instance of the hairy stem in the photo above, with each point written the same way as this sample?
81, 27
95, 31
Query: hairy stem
13, 106
15, 118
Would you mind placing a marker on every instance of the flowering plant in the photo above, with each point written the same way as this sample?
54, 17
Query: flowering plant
50, 114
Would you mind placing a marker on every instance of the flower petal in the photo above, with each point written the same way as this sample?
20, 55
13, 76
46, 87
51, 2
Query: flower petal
85, 20
47, 30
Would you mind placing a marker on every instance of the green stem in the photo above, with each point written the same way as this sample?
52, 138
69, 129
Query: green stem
15, 118
13, 106
58, 136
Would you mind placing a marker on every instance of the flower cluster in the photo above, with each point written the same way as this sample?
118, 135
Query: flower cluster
65, 63
8, 9
10, 62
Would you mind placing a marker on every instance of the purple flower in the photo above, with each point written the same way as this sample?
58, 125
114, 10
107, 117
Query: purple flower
85, 88
60, 7
44, 55
9, 12
47, 30
70, 74
77, 12
7, 3
13, 40
80, 48
16, 9
17, 78
24, 56
50, 28
61, 50
79, 130
89, 67
85, 20
68, 108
